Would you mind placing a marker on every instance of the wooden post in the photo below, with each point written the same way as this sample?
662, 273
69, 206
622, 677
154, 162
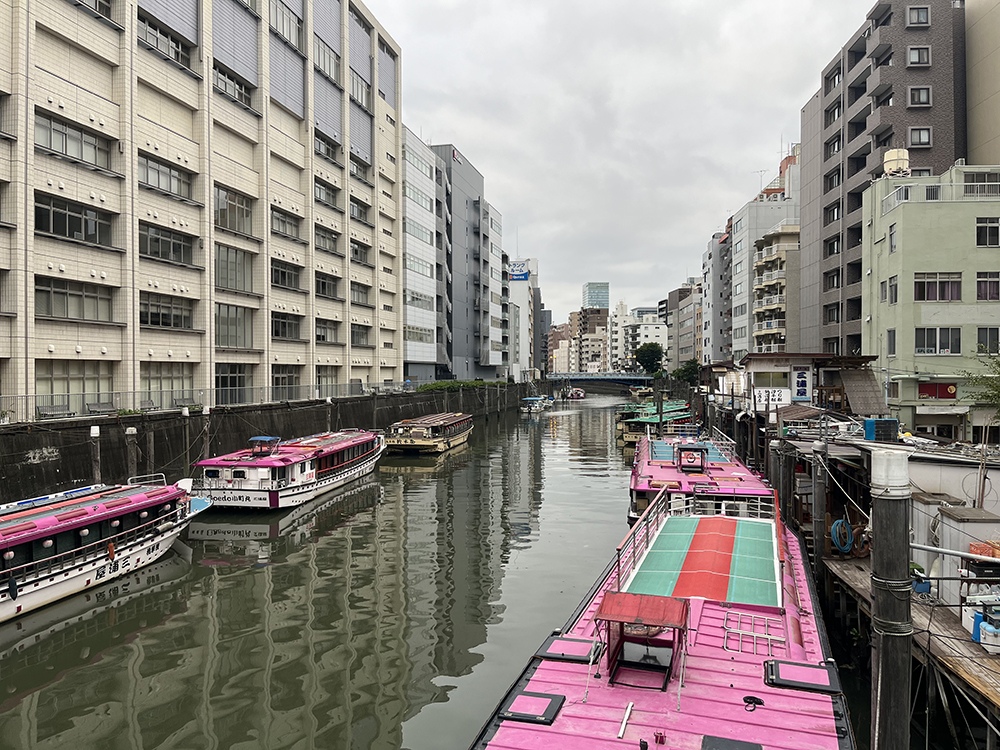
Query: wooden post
892, 624
95, 453
132, 452
658, 395
149, 450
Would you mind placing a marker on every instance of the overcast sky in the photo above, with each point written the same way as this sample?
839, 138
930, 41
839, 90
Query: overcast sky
614, 138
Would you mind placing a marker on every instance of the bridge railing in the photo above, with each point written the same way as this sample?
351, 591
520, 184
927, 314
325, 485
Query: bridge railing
632, 377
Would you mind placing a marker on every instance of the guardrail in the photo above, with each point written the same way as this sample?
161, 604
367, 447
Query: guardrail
634, 545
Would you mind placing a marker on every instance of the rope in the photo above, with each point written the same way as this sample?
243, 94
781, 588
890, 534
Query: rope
842, 536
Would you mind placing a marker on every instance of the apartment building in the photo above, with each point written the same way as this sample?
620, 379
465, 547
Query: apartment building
543, 322
667, 311
776, 290
899, 82
421, 303
558, 347
644, 327
717, 297
688, 328
215, 191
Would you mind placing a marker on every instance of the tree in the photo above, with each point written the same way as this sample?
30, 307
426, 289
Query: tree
986, 384
688, 372
650, 356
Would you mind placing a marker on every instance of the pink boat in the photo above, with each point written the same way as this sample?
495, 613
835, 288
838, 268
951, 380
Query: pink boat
703, 633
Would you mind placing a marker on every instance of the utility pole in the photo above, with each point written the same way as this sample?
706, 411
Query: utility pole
658, 395
131, 451
95, 453
892, 625
818, 505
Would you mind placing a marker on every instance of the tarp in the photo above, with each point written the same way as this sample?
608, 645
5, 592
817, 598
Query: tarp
864, 392
643, 609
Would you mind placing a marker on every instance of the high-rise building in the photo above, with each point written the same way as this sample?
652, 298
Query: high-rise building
717, 298
543, 321
899, 82
522, 283
596, 294
473, 270
216, 191
776, 290
667, 310
422, 336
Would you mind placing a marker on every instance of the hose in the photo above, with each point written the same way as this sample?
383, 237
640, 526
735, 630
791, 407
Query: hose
842, 536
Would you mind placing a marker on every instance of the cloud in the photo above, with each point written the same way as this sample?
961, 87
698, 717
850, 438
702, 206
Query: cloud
614, 138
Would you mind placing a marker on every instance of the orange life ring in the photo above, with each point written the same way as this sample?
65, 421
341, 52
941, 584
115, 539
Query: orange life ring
111, 551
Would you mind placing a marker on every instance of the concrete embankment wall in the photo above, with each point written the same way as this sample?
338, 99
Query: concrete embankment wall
44, 457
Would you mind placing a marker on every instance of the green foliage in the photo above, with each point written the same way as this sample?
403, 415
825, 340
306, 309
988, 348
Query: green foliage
650, 356
454, 385
688, 372
128, 412
985, 383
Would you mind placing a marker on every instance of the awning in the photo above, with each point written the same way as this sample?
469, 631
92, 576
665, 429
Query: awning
643, 609
864, 392
935, 409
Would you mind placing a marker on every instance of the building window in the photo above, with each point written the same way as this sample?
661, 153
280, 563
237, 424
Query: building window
833, 179
770, 380
361, 91
892, 238
831, 213
920, 96
229, 85
326, 60
893, 290
938, 340
359, 169
163, 311
326, 286
833, 113
421, 165
73, 382
67, 139
162, 244
326, 241
325, 193
987, 231
285, 326
284, 275
418, 196
151, 35
918, 15
359, 211
72, 300
419, 265
359, 335
233, 383
422, 301
72, 221
360, 253
832, 80
326, 331
988, 286
988, 341
418, 334
286, 382
918, 56
233, 211
833, 146
233, 326
883, 294
101, 6
157, 175
162, 382
737, 289
286, 23
831, 313
831, 280
937, 287
233, 269
890, 342
832, 246
284, 223
359, 294
920, 137
325, 147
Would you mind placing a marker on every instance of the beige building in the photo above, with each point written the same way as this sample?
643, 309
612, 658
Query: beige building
215, 202
776, 290
982, 61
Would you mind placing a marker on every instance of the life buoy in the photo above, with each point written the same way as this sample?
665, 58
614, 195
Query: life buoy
111, 551
690, 458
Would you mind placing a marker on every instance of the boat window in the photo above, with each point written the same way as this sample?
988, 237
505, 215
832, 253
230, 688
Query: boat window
129, 521
212, 473
66, 541
19, 555
278, 473
40, 552
239, 474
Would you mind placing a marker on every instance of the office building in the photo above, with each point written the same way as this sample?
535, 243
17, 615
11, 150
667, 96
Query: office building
667, 309
543, 322
717, 298
421, 303
596, 294
899, 82
522, 284
216, 191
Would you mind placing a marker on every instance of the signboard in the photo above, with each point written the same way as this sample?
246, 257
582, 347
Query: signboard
776, 397
802, 383
517, 270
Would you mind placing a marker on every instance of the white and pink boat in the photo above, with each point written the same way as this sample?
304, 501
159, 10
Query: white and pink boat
275, 473
59, 545
703, 633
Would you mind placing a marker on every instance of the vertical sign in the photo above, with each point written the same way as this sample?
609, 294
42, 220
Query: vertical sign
802, 383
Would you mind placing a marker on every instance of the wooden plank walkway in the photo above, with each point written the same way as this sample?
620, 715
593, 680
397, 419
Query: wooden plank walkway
937, 630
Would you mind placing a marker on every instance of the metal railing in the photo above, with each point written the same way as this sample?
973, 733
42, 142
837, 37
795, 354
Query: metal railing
632, 548
941, 192
769, 349
769, 325
774, 299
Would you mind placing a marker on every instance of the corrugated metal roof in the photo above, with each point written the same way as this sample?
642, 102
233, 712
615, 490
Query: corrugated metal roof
864, 392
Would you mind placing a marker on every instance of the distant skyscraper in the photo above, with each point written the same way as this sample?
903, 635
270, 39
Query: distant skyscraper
596, 294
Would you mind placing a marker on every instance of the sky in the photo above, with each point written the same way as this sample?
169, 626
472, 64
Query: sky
615, 138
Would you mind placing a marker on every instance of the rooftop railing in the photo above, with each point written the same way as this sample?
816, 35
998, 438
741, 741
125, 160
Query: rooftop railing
941, 193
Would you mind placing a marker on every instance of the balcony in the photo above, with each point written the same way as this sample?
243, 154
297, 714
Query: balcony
769, 325
769, 278
769, 349
771, 301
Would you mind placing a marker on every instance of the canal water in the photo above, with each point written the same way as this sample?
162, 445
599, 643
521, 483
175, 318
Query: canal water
394, 613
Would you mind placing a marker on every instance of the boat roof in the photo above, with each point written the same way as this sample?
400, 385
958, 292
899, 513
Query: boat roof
668, 416
292, 451
433, 420
655, 468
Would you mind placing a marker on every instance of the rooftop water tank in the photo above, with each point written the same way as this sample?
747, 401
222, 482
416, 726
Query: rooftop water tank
896, 162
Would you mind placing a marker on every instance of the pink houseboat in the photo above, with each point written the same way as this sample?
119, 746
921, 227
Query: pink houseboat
274, 473
58, 545
703, 633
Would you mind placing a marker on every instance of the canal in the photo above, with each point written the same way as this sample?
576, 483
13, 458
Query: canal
394, 613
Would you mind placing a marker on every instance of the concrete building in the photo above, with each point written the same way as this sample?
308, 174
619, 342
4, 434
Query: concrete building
543, 322
717, 298
927, 315
898, 82
421, 302
588, 322
596, 294
472, 274
667, 312
776, 290
523, 282
982, 70
688, 329
216, 200
645, 328
618, 320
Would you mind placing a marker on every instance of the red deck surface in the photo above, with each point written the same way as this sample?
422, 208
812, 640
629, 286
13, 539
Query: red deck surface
708, 561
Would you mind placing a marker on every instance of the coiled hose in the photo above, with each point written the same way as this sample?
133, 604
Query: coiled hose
842, 536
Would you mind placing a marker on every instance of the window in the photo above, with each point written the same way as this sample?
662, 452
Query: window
831, 213
151, 35
285, 326
359, 211
155, 174
233, 211
495, 274
326, 60
233, 326
286, 23
832, 246
919, 15
359, 169
285, 382
883, 293
920, 96
162, 244
893, 290
163, 311
233, 269
233, 383
833, 113
418, 265
938, 340
737, 289
72, 221
419, 231
325, 147
73, 300
739, 310
101, 6
831, 280
893, 389
422, 165
67, 139
326, 286
833, 179
360, 253
418, 196
987, 232
738, 268
359, 294
284, 223
326, 331
988, 341
833, 80
892, 238
833, 146
361, 91
326, 241
62, 379
421, 335
920, 137
325, 193
160, 382
359, 335
416, 299
737, 227
284, 274
831, 313
232, 87
890, 342
988, 286
918, 56
740, 332
770, 380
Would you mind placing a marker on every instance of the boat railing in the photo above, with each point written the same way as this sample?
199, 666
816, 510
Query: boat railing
157, 480
632, 548
725, 444
708, 504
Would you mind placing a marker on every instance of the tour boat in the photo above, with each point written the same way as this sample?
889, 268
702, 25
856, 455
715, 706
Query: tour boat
703, 632
575, 394
535, 404
276, 473
634, 429
58, 545
431, 434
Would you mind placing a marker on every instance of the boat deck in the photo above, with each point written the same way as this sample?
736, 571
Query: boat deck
291, 451
662, 450
16, 514
432, 420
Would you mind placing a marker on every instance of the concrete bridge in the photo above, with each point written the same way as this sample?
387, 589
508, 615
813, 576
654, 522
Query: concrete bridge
629, 378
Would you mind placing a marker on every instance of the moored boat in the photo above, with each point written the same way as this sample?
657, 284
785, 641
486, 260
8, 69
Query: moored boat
433, 433
534, 404
632, 430
575, 394
59, 545
702, 632
275, 473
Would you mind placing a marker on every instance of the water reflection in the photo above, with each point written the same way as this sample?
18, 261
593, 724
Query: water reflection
393, 613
